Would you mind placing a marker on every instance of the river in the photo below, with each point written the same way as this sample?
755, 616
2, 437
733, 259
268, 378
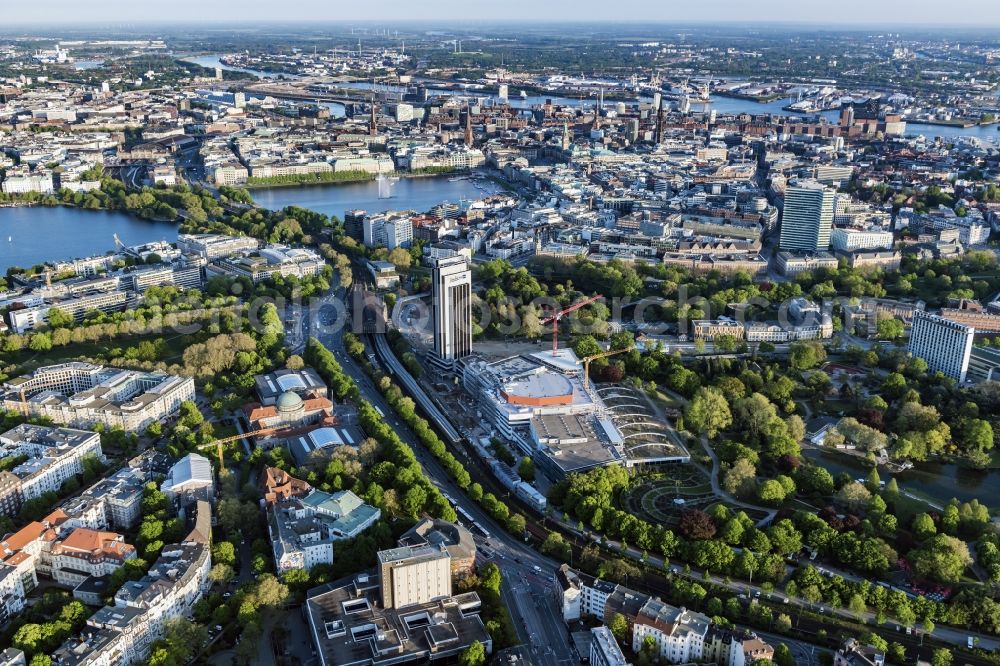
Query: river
40, 233
419, 194
938, 481
723, 105
212, 61
720, 104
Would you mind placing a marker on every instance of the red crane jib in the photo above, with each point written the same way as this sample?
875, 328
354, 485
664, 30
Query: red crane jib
555, 317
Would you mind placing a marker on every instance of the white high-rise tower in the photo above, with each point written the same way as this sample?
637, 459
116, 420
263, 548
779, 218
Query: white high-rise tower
452, 294
807, 217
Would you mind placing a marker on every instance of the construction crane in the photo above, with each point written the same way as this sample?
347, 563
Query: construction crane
225, 440
555, 317
586, 363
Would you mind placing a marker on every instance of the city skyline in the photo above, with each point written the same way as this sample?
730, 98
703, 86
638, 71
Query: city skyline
850, 13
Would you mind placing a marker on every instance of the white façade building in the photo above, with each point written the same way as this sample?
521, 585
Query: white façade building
83, 394
945, 345
679, 634
53, 456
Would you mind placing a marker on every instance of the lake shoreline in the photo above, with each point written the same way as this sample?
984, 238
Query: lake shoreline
353, 181
38, 204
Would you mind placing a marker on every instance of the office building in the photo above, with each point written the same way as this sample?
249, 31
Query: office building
414, 575
945, 345
807, 218
86, 553
971, 313
270, 262
215, 246
451, 292
403, 614
852, 239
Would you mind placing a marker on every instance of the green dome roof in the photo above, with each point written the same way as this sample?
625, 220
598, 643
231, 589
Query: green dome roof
288, 402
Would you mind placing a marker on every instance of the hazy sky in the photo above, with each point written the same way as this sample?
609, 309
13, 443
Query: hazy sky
941, 12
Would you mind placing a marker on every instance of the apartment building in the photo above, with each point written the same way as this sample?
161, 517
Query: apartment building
51, 456
679, 634
123, 632
853, 653
12, 595
83, 394
389, 230
735, 647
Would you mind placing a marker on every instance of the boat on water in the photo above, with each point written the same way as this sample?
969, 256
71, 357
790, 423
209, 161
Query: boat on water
524, 95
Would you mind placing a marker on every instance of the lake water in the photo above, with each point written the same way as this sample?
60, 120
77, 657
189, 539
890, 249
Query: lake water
419, 194
938, 481
41, 233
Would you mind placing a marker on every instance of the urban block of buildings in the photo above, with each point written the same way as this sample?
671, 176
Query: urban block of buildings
83, 394
539, 402
122, 633
48, 457
405, 612
304, 529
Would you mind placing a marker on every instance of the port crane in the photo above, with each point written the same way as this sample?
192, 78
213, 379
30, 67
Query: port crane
556, 316
586, 363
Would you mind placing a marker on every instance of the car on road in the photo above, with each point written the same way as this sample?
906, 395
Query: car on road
537, 569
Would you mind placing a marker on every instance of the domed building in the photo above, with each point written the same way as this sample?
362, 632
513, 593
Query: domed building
289, 405
290, 414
